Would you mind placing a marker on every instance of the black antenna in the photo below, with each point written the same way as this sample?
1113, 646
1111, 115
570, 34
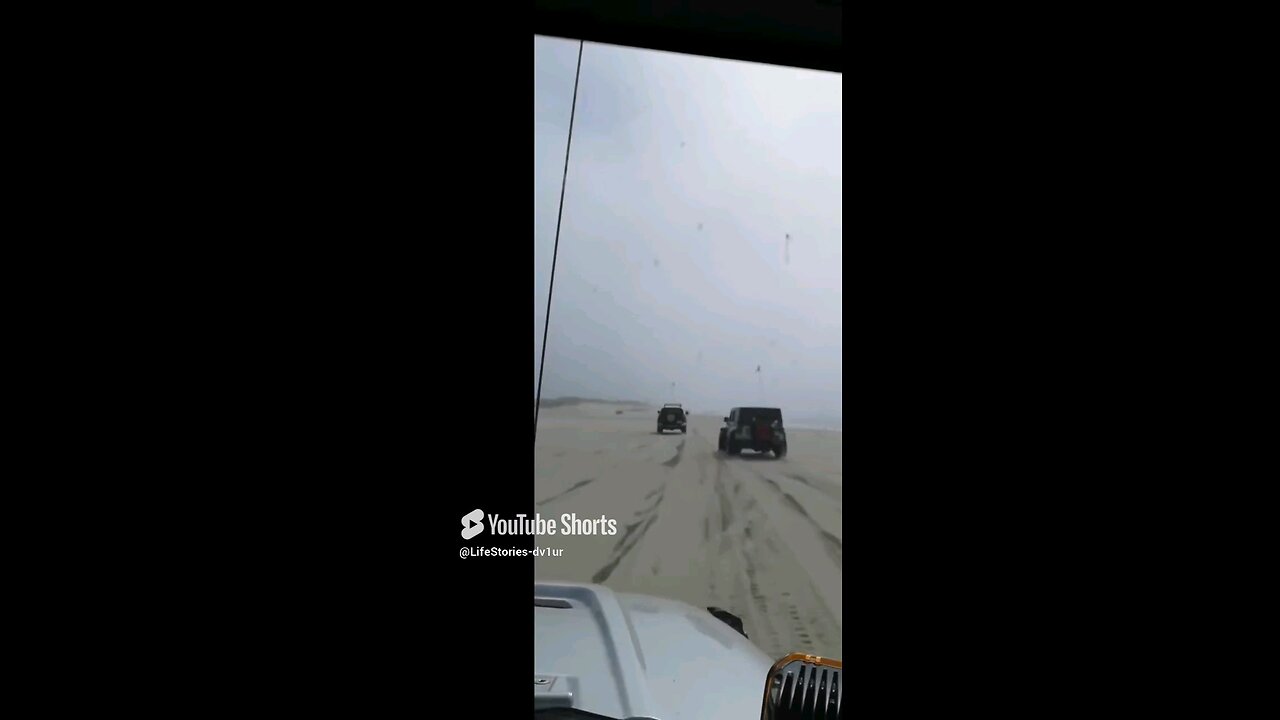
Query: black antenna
542, 361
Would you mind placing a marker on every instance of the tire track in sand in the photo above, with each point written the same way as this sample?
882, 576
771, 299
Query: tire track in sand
834, 546
675, 459
632, 534
755, 574
785, 543
576, 486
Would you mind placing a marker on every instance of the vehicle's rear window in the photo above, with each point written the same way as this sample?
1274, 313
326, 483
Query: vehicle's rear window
766, 414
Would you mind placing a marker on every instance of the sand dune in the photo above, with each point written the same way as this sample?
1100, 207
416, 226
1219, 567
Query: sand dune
756, 535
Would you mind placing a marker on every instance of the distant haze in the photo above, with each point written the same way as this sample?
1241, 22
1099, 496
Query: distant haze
701, 236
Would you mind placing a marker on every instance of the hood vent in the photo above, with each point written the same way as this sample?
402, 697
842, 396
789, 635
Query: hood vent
805, 691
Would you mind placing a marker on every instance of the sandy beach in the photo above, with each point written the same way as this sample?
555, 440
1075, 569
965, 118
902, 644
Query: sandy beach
755, 535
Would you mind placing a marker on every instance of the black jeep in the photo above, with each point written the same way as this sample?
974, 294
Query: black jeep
753, 428
671, 417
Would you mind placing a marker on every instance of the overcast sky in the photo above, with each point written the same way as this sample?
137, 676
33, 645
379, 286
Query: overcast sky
686, 176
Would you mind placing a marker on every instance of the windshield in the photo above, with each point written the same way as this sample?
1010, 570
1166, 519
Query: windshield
697, 253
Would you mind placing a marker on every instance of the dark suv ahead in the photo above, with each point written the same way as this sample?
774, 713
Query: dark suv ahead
753, 428
671, 417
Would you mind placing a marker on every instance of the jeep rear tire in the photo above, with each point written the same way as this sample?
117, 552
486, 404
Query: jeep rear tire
780, 451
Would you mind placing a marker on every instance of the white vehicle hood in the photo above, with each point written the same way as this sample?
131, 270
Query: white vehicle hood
624, 655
